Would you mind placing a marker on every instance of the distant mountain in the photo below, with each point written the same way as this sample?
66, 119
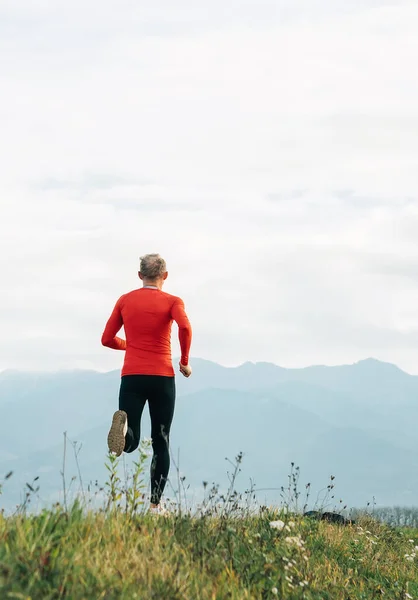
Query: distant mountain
38, 407
356, 422
367, 378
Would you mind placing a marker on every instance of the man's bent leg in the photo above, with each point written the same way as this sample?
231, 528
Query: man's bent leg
132, 398
161, 402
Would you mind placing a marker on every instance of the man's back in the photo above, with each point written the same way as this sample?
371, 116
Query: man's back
147, 315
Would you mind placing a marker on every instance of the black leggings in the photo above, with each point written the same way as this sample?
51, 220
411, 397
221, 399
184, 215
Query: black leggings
160, 392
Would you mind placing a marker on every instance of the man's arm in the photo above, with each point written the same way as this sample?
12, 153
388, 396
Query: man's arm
113, 325
185, 329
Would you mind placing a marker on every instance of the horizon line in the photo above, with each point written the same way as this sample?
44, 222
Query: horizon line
240, 365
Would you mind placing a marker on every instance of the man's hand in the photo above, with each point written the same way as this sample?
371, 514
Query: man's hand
186, 370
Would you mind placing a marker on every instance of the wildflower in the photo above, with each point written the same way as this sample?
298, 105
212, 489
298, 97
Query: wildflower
277, 525
274, 591
296, 540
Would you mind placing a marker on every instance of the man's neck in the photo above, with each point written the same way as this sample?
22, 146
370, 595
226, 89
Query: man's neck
152, 284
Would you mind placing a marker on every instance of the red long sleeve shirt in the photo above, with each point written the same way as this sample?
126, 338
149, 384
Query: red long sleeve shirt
147, 316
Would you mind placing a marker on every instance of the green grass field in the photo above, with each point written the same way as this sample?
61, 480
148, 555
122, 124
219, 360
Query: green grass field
114, 555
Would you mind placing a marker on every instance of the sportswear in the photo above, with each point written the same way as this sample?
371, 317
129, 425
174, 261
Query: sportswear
147, 315
160, 392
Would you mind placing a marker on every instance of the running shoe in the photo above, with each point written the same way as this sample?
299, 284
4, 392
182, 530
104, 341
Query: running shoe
117, 432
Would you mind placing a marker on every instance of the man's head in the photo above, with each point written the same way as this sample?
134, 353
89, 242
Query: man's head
152, 270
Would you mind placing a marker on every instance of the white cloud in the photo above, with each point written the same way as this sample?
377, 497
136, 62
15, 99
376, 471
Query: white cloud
274, 166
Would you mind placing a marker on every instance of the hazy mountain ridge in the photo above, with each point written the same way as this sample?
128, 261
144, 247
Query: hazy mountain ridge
329, 420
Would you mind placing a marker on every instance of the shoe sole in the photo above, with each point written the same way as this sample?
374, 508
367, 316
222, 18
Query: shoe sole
115, 438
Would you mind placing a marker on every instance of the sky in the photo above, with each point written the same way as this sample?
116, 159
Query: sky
267, 149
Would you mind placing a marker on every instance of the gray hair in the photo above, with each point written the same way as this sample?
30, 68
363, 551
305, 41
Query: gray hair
152, 266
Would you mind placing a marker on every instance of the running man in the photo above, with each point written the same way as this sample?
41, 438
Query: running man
147, 315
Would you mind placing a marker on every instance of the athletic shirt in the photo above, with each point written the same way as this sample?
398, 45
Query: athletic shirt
147, 315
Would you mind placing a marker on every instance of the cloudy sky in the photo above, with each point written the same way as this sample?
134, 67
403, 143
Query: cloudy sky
267, 148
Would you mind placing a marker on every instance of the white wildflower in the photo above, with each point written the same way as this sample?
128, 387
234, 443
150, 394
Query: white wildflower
274, 591
277, 525
296, 540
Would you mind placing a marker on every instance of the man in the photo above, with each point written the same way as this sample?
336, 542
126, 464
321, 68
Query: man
147, 315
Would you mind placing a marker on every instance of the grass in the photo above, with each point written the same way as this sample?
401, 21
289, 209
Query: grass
224, 550
78, 555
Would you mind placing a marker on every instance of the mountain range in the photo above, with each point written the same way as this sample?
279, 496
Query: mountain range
357, 423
